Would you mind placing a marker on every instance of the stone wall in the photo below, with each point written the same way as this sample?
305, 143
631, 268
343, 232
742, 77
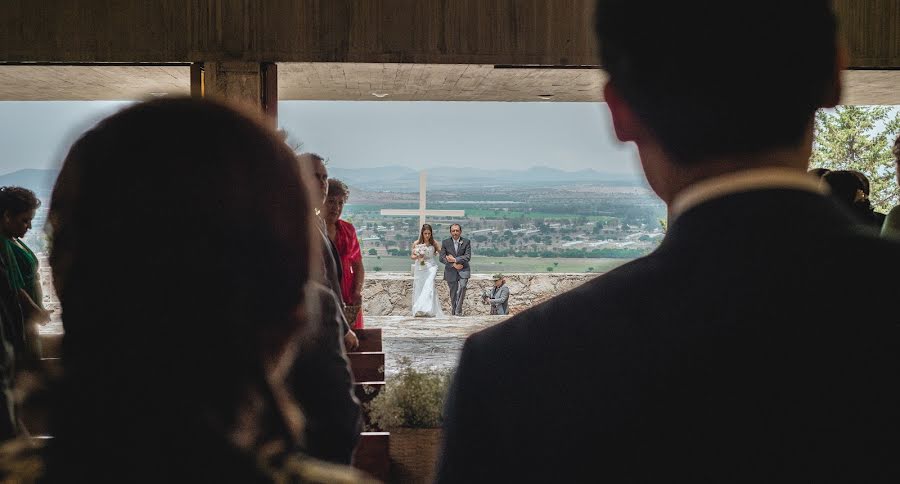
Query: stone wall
390, 293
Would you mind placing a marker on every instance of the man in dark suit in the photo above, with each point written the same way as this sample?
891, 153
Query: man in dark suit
456, 252
321, 378
715, 358
314, 166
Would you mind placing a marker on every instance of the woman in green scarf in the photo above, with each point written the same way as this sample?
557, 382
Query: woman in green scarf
17, 208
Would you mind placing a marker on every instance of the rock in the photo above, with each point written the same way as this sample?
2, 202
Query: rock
378, 305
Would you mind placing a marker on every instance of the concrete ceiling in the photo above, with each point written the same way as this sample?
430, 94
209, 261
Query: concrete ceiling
366, 82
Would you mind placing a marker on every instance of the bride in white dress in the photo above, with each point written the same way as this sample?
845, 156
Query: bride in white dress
425, 267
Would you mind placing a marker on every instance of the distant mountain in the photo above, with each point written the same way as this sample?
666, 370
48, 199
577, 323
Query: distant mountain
399, 178
402, 178
39, 181
373, 176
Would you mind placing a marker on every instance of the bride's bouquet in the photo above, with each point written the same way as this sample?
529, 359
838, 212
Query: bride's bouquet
422, 252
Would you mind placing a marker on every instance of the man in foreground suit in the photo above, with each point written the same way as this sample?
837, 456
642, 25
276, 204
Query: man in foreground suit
713, 359
456, 252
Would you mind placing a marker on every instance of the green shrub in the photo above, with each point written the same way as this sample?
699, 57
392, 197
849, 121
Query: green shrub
412, 398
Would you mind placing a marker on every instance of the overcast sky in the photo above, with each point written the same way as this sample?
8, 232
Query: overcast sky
353, 134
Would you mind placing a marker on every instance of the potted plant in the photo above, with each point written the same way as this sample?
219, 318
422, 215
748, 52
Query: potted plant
410, 408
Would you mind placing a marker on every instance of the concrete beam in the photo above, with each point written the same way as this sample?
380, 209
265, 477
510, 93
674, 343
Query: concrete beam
365, 82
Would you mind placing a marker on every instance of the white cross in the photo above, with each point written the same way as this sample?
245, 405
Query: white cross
422, 211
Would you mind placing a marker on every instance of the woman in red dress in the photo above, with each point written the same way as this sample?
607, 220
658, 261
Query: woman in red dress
343, 235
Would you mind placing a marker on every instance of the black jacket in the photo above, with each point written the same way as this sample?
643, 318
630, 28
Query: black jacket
746, 348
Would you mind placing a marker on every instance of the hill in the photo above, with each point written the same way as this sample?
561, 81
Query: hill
405, 179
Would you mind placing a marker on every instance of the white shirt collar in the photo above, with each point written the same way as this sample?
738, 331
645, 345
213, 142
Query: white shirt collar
743, 181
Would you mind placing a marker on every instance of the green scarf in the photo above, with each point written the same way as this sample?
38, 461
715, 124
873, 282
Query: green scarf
22, 267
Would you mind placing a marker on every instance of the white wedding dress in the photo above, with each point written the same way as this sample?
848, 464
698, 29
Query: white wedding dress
425, 301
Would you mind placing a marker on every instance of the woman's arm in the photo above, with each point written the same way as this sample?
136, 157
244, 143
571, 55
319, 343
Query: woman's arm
33, 312
412, 252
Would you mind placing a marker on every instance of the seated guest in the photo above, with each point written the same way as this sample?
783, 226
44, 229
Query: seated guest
18, 206
343, 235
711, 359
181, 327
891, 226
849, 188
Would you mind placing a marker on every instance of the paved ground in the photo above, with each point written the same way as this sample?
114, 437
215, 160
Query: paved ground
429, 342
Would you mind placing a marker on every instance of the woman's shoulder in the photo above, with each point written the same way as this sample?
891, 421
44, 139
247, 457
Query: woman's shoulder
344, 226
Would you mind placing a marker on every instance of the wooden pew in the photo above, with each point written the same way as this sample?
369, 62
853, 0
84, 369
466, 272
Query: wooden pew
372, 454
51, 345
367, 363
369, 340
368, 366
366, 392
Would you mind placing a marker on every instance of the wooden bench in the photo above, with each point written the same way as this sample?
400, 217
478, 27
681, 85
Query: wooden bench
51, 345
368, 366
373, 454
367, 363
369, 339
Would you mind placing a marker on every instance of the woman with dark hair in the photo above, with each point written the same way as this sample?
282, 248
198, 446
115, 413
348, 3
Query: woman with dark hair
343, 235
18, 206
850, 190
425, 267
179, 335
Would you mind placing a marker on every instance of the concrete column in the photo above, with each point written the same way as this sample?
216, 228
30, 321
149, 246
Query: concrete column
252, 84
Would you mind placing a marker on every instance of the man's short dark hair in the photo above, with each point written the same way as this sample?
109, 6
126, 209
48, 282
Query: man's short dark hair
456, 225
716, 78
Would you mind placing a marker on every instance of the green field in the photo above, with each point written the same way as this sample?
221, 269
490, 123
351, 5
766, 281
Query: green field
483, 212
490, 265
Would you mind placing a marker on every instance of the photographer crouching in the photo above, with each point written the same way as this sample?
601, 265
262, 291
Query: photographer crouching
498, 297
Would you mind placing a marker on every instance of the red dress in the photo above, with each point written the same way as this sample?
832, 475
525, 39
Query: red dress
348, 249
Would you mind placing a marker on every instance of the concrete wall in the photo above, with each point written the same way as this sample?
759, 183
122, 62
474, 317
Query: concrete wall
390, 294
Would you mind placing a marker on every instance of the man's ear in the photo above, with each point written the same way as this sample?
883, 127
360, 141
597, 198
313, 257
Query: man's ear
833, 93
623, 117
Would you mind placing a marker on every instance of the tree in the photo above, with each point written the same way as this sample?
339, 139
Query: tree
860, 138
373, 252
376, 268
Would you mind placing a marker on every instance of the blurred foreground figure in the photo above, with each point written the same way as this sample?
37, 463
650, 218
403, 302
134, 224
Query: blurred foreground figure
713, 359
181, 255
